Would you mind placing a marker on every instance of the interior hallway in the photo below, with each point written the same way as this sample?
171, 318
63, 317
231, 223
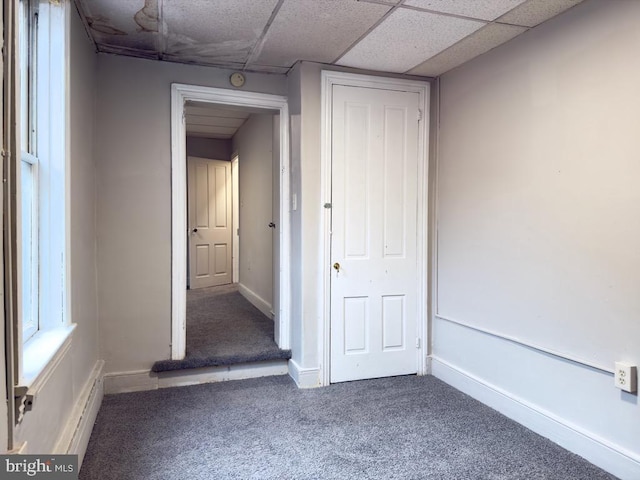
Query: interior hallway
223, 328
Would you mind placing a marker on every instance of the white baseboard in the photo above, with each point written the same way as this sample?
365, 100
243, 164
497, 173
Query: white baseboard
75, 436
255, 300
304, 377
600, 452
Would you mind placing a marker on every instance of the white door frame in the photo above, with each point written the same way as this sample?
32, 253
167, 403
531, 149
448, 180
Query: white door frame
329, 79
181, 93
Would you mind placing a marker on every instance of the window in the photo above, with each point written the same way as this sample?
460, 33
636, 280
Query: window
42, 60
28, 18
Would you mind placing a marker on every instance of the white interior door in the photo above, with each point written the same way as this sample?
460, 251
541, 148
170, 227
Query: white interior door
374, 279
210, 222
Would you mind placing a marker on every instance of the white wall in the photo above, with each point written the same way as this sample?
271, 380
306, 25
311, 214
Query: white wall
55, 401
253, 143
537, 214
134, 201
304, 108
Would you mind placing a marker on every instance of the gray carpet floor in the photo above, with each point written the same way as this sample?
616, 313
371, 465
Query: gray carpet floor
394, 428
223, 328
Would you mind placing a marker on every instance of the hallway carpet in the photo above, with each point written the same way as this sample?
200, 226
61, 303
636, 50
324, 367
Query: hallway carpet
223, 328
266, 428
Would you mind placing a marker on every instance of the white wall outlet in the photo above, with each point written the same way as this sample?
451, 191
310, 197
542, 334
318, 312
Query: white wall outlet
626, 377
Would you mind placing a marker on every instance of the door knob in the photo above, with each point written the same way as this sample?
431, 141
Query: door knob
336, 266
272, 225
194, 230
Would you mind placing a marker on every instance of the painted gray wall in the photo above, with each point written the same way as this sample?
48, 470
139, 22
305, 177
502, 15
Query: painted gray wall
538, 207
56, 399
213, 148
253, 143
133, 158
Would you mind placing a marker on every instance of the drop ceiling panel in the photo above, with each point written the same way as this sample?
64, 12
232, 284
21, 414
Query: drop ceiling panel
319, 30
215, 29
385, 35
535, 12
482, 9
475, 44
405, 39
123, 23
214, 132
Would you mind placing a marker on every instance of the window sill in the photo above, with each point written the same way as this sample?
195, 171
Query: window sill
41, 351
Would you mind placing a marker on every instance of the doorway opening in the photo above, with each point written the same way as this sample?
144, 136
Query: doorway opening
258, 272
231, 276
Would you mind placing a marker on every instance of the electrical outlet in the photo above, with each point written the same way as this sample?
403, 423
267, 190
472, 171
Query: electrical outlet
626, 377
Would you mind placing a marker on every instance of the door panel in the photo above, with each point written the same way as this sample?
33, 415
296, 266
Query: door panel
374, 233
209, 222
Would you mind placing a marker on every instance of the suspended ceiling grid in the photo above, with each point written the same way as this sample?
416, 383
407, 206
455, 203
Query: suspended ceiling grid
419, 37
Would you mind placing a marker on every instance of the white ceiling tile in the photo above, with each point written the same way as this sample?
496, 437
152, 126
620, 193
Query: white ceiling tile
534, 12
215, 29
483, 9
121, 23
475, 44
213, 121
317, 31
405, 39
129, 52
139, 41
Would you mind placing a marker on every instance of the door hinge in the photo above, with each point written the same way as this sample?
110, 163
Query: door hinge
419, 114
418, 342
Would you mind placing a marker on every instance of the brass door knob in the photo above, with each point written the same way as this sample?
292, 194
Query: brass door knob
336, 266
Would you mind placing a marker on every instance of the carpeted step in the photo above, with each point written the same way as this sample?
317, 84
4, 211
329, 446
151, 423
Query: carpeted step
218, 361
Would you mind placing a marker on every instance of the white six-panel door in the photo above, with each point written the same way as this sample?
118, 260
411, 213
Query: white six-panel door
374, 271
210, 222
